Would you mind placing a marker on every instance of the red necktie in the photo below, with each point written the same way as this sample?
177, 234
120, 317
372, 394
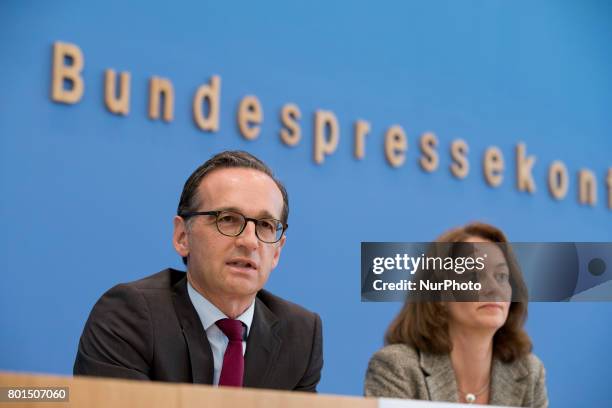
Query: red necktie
232, 371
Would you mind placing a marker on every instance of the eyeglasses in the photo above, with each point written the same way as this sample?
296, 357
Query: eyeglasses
231, 224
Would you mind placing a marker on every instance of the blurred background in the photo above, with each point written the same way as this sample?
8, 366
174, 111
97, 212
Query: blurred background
87, 196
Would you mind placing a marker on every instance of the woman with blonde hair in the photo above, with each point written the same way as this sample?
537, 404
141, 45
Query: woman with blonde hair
471, 352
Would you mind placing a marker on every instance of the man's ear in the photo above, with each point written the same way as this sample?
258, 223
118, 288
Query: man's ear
277, 251
179, 238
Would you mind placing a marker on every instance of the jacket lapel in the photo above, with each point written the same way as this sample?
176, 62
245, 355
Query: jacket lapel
263, 346
508, 385
200, 353
439, 377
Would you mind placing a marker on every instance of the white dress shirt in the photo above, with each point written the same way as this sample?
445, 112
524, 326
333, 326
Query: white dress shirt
209, 315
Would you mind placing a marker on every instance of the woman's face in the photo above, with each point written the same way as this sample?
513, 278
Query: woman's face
492, 311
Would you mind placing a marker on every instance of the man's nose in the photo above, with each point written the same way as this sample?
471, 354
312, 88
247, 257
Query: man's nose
248, 237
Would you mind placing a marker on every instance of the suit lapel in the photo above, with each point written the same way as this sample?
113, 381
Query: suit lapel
200, 353
439, 377
507, 383
263, 346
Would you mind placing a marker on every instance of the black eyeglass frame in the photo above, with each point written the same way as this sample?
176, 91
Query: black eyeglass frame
216, 214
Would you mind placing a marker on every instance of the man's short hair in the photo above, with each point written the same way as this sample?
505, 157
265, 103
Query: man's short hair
228, 159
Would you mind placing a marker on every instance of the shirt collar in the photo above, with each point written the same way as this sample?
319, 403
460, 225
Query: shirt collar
209, 314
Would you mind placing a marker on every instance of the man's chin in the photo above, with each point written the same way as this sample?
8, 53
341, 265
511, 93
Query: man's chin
241, 286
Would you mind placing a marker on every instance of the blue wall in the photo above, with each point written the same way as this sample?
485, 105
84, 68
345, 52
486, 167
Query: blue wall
88, 196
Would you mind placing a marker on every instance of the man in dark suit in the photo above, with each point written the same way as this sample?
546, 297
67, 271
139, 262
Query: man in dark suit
214, 324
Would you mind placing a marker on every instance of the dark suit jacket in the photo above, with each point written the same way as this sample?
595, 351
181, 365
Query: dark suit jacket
149, 330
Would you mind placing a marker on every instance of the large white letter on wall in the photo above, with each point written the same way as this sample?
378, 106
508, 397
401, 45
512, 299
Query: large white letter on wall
62, 72
325, 145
